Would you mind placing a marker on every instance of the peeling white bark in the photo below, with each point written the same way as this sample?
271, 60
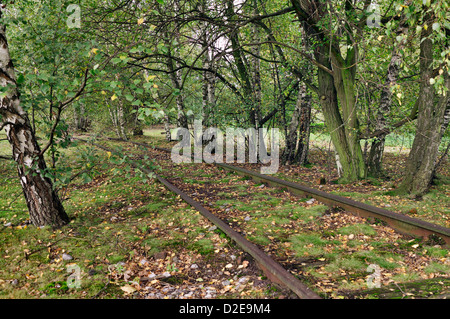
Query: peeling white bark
339, 167
43, 203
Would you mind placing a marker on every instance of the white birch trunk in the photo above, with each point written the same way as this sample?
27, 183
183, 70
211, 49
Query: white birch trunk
43, 203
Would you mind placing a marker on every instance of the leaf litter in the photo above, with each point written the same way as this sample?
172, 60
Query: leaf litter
401, 254
181, 270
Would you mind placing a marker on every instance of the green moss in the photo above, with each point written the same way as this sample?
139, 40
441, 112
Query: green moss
436, 251
204, 246
259, 240
308, 244
380, 259
347, 263
357, 229
435, 267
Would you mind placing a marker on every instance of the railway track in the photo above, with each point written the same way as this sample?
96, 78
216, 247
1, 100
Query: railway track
401, 223
274, 271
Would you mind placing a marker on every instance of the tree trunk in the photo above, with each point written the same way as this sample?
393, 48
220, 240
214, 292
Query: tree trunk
297, 137
81, 118
374, 161
176, 82
43, 203
209, 81
121, 120
446, 119
336, 87
167, 126
431, 109
138, 125
344, 81
182, 119
242, 66
176, 74
114, 119
352, 167
288, 156
301, 156
256, 70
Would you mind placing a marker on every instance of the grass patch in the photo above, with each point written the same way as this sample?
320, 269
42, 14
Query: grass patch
346, 263
437, 268
357, 229
261, 240
111, 218
203, 246
437, 252
308, 245
406, 277
385, 261
227, 195
307, 214
224, 202
249, 206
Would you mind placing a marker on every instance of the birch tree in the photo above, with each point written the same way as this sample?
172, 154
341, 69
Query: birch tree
43, 203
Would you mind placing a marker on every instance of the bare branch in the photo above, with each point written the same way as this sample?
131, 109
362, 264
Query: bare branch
313, 61
60, 108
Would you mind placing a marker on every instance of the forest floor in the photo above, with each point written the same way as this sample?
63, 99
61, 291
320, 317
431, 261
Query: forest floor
433, 207
132, 238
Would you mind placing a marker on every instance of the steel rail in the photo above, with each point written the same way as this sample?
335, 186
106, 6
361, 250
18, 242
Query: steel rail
401, 223
273, 270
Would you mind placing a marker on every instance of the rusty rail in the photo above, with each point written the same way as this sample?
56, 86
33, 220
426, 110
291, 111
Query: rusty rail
273, 270
399, 222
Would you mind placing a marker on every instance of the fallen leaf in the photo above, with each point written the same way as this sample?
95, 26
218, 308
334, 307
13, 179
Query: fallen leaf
128, 289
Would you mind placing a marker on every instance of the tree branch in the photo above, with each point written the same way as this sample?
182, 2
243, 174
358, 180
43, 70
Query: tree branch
412, 116
60, 108
313, 61
293, 68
